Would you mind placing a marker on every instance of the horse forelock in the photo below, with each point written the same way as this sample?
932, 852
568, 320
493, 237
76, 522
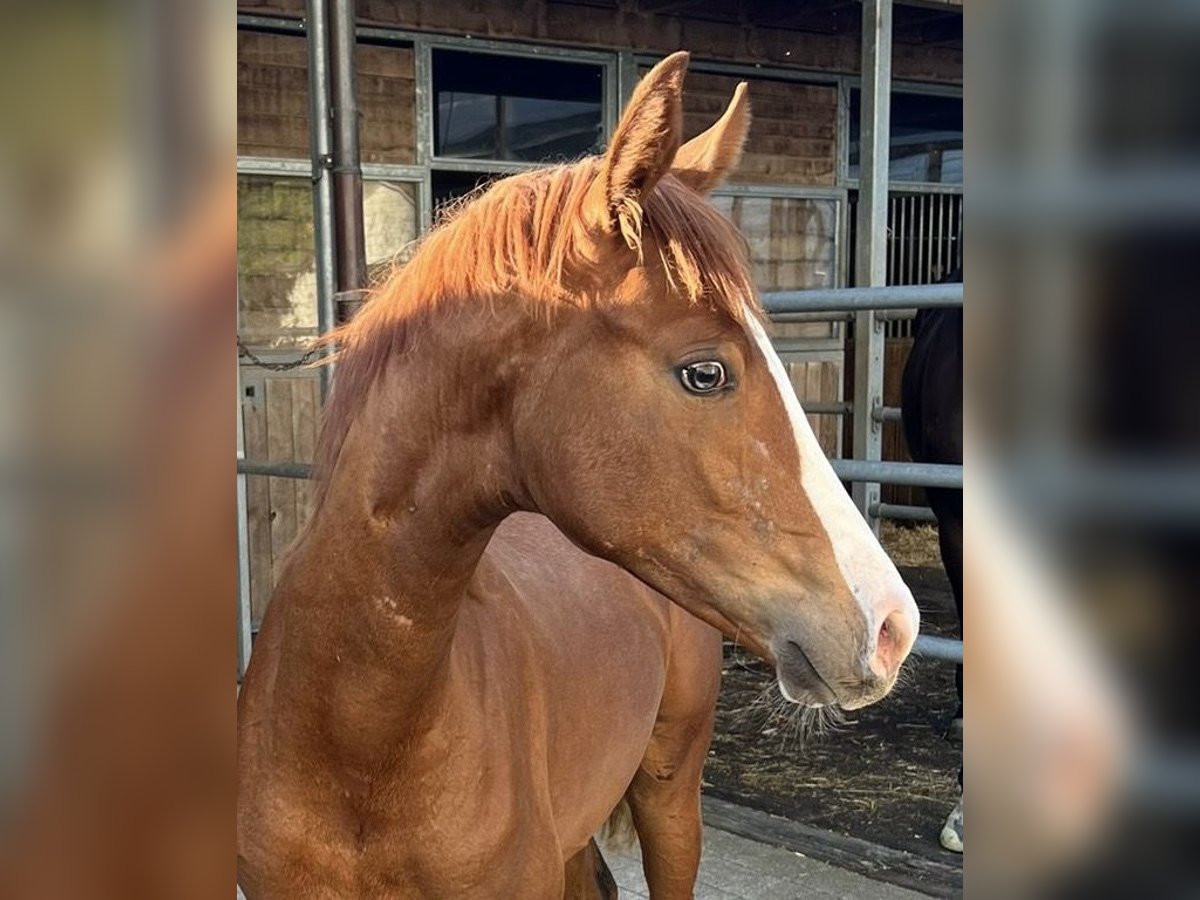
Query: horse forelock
525, 239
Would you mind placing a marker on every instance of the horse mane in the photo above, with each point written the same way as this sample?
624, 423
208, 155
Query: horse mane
520, 240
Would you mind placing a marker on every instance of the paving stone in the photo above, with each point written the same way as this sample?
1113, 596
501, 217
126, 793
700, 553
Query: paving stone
735, 868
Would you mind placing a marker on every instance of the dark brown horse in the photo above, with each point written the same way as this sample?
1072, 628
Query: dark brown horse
560, 443
932, 401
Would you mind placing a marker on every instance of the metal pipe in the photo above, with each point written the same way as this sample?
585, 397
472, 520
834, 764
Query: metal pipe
320, 142
913, 474
871, 238
886, 414
244, 614
347, 163
863, 298
274, 469
934, 647
901, 513
812, 317
839, 408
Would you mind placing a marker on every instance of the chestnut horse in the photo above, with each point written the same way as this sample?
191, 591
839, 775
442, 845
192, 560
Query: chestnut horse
560, 443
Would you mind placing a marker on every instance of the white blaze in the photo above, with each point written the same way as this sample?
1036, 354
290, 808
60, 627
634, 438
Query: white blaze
868, 572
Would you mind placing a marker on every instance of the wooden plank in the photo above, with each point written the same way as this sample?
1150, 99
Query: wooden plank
831, 382
305, 391
875, 861
258, 504
812, 393
280, 448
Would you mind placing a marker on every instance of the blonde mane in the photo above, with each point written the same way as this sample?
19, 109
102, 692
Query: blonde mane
520, 240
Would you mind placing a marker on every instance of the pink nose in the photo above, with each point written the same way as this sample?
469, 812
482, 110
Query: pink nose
895, 639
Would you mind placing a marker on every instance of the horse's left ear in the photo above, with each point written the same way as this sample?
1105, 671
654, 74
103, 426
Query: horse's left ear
704, 161
641, 151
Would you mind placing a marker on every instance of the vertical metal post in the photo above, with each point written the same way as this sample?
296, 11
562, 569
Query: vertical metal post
423, 71
871, 246
243, 548
320, 142
627, 79
348, 227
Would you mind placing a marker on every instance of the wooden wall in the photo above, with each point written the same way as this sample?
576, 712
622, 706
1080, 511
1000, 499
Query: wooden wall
272, 86
279, 414
625, 26
272, 95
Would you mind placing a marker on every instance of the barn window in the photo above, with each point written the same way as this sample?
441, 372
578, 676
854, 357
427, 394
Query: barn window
515, 108
926, 138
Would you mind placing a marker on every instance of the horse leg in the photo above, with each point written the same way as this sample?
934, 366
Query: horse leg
588, 876
664, 796
948, 508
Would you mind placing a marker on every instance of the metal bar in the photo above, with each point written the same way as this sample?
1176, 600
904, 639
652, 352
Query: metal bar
913, 474
838, 408
259, 165
274, 469
903, 513
900, 86
916, 187
423, 87
796, 191
271, 23
627, 78
871, 250
348, 226
842, 135
391, 172
934, 647
893, 238
812, 317
923, 241
611, 101
244, 615
321, 148
940, 246
886, 414
482, 166
751, 70
863, 298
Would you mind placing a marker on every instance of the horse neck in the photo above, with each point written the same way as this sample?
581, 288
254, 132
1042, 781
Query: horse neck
374, 589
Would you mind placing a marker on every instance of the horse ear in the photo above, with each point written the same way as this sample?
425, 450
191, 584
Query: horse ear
641, 151
704, 161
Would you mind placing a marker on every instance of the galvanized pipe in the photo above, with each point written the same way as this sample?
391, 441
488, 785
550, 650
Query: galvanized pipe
811, 317
840, 408
871, 238
913, 474
347, 163
320, 142
934, 647
902, 513
244, 614
886, 414
863, 298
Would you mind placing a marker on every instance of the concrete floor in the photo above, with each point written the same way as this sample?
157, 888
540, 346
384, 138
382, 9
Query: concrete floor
735, 868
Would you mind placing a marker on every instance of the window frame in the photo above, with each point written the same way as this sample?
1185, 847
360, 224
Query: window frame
854, 82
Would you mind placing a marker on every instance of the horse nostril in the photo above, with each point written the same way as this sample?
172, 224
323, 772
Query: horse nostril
891, 645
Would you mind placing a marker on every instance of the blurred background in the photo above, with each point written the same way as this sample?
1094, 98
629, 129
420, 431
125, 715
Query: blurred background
120, 198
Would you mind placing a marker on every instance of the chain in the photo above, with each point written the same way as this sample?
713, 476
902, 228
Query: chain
246, 353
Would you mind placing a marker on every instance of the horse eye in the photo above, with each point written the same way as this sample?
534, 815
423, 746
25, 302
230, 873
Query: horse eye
703, 377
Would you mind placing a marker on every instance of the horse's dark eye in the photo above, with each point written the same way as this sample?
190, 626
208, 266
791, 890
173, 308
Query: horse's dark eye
703, 377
